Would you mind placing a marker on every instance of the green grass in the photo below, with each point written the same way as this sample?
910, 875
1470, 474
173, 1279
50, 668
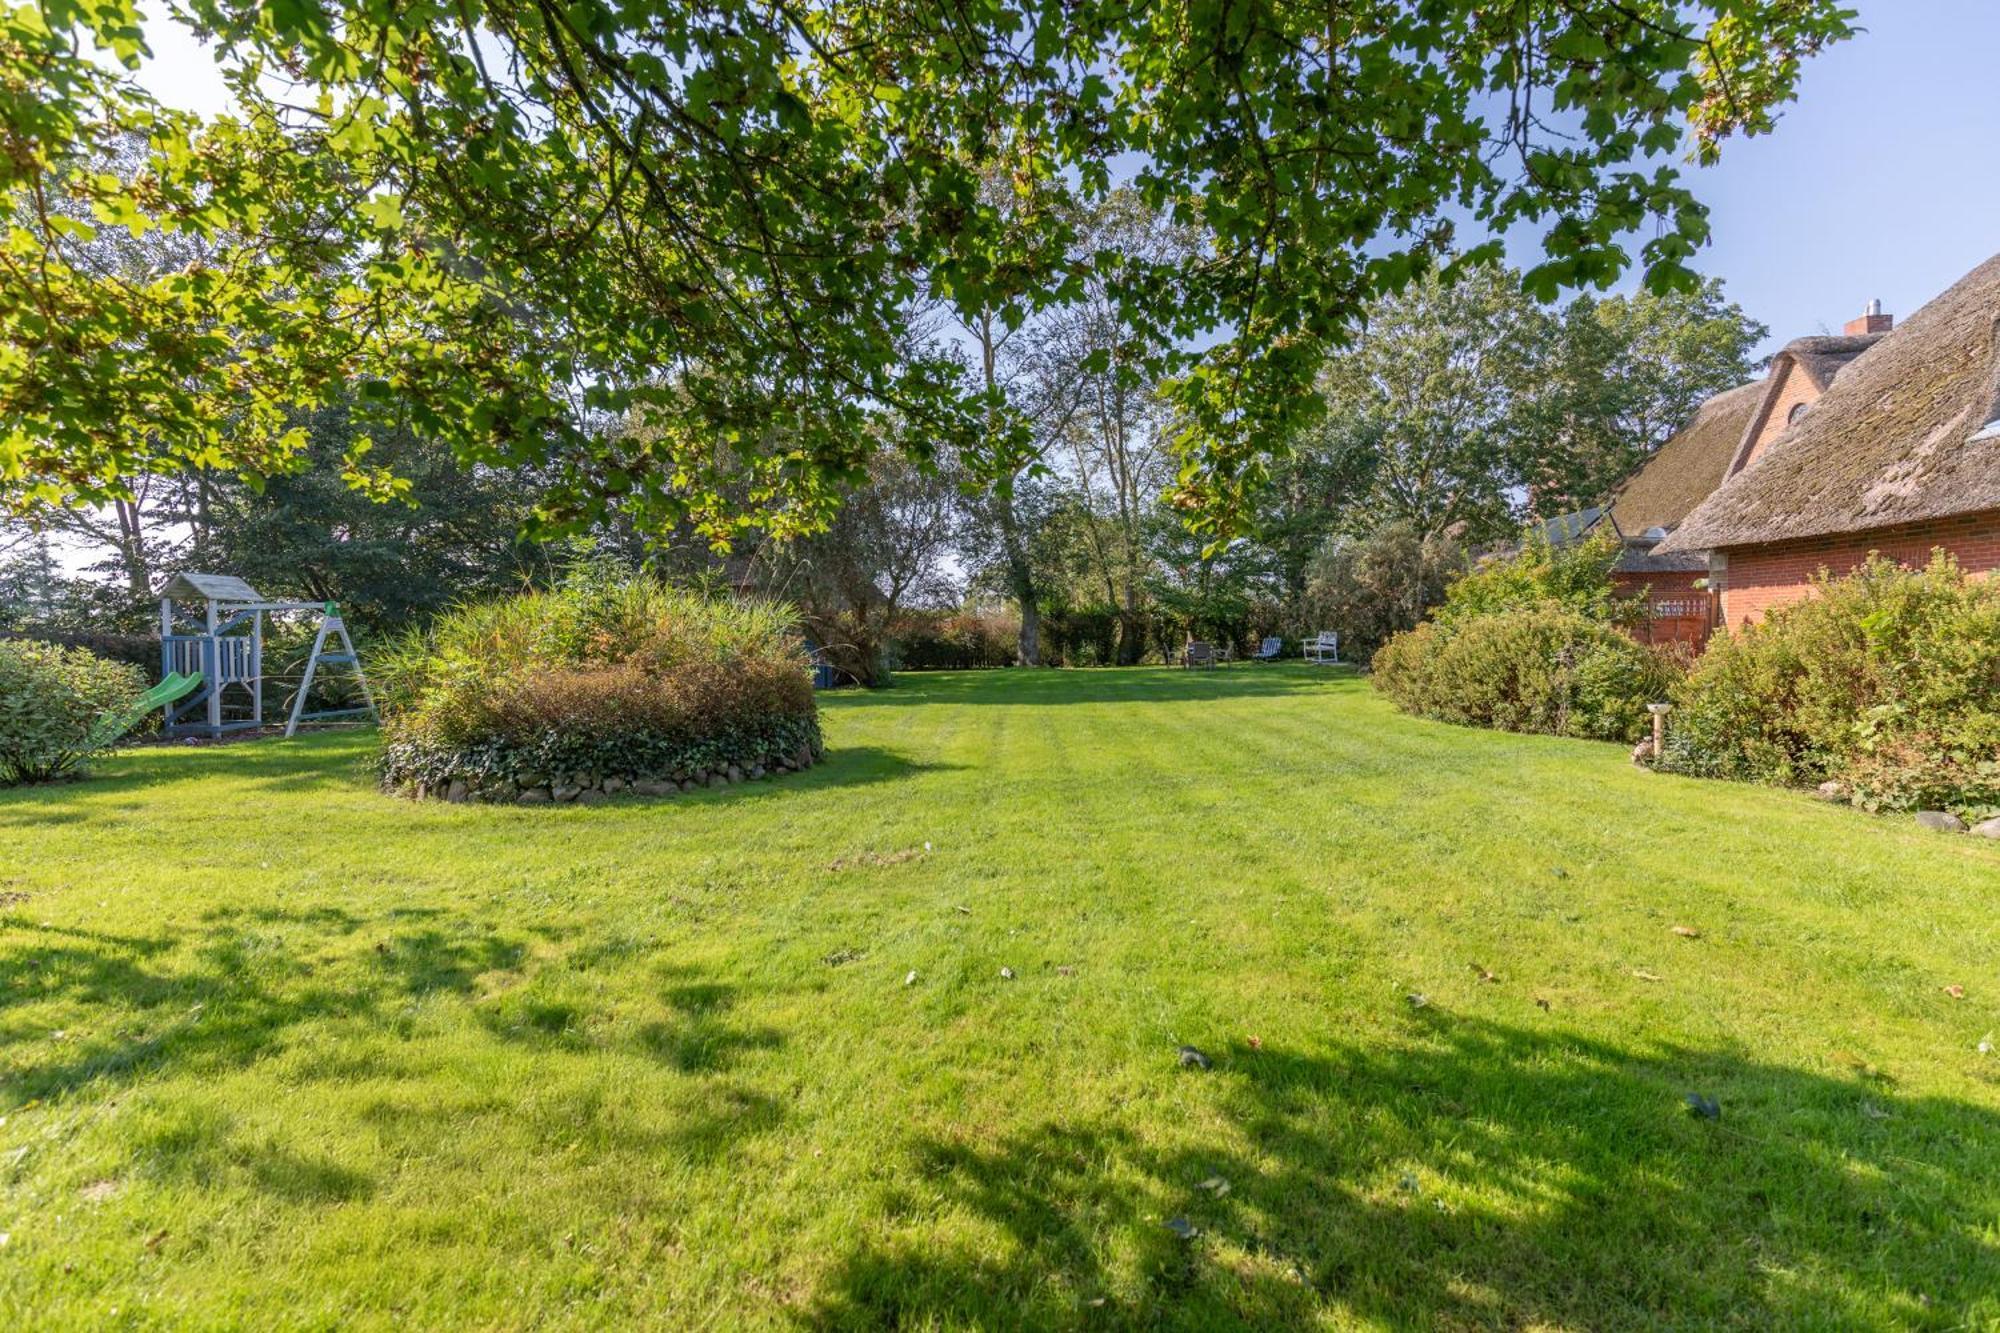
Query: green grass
279, 1051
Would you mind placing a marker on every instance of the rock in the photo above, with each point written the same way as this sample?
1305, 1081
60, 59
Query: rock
1830, 791
689, 784
756, 772
735, 773
654, 787
1989, 828
1941, 820
457, 791
533, 796
614, 785
718, 779
589, 796
804, 757
568, 791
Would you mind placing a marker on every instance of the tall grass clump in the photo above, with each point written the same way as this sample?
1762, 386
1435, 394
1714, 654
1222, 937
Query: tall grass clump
606, 682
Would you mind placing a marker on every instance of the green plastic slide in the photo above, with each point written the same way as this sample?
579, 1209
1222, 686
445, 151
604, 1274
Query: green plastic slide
113, 725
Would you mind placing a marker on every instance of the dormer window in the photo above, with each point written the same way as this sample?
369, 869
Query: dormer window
1797, 413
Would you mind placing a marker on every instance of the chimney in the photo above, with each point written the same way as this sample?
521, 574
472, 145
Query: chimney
1872, 322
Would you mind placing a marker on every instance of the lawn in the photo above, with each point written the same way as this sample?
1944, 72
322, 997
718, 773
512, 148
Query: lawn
279, 1051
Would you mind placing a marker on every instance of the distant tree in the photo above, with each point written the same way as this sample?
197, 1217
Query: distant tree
886, 550
1428, 417
1467, 408
1622, 375
454, 534
1372, 588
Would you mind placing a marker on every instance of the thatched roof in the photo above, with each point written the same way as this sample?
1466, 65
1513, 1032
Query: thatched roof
1823, 358
1692, 463
1891, 442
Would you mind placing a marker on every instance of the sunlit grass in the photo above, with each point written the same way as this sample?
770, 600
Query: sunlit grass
279, 1051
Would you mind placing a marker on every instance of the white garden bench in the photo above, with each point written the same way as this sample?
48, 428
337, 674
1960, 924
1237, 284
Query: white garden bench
1324, 648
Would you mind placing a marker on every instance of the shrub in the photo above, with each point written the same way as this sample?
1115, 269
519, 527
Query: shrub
604, 677
50, 699
1576, 576
956, 640
1888, 681
1542, 668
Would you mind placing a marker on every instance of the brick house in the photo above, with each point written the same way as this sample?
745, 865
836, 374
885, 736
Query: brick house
1898, 453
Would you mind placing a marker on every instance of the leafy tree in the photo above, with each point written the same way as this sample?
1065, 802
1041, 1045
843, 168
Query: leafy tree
505, 221
1624, 374
452, 535
1430, 415
884, 552
1371, 589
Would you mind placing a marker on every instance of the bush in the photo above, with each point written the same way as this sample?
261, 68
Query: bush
1539, 668
141, 650
956, 641
1577, 577
1887, 681
604, 677
50, 699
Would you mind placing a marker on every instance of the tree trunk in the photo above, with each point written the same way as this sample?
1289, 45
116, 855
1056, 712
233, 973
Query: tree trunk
1020, 581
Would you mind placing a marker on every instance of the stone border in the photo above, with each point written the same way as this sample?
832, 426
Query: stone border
594, 788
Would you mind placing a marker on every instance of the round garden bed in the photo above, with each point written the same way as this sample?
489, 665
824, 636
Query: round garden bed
604, 687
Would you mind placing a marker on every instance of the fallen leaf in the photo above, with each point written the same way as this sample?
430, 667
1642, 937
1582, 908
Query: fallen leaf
1256, 1042
1956, 992
1006, 974
911, 979
1065, 970
1541, 1003
1687, 932
1485, 974
157, 1239
1873, 1112
1417, 999
1644, 975
1215, 1185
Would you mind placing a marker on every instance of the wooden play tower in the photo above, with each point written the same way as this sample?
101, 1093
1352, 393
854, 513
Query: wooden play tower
226, 648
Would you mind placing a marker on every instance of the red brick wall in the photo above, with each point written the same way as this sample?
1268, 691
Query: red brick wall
1796, 389
1760, 577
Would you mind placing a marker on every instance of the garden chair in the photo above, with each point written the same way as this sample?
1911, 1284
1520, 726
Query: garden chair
1324, 648
1198, 653
1269, 650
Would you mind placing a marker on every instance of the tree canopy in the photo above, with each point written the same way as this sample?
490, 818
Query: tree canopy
510, 223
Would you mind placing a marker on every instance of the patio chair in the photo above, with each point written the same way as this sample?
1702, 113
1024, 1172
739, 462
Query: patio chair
1324, 648
1269, 650
1198, 653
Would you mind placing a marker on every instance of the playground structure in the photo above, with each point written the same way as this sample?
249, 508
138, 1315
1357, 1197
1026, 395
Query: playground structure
200, 663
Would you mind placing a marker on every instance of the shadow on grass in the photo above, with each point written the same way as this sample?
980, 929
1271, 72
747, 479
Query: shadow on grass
343, 763
326, 762
1043, 687
1475, 1175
